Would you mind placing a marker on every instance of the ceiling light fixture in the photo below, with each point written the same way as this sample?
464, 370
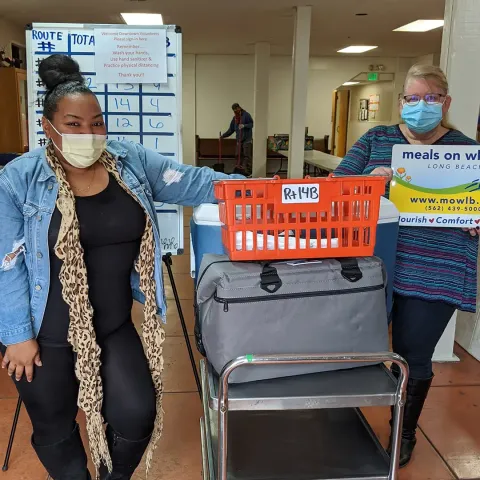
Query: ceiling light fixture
357, 49
142, 18
347, 84
361, 14
421, 26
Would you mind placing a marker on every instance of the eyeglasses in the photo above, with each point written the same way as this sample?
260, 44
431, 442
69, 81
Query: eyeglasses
430, 98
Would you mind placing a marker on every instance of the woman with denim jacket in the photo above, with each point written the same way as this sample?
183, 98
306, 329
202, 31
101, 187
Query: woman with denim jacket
79, 241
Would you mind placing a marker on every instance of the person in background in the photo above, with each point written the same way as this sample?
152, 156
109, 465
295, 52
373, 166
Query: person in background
436, 268
242, 126
79, 240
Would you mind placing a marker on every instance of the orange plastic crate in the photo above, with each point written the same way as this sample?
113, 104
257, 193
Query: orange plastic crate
274, 219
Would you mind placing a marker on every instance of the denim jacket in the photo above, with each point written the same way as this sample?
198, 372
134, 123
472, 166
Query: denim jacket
28, 193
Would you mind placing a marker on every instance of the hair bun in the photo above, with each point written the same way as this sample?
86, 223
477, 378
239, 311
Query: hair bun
58, 69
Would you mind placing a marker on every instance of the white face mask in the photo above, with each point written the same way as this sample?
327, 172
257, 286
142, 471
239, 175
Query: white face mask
81, 150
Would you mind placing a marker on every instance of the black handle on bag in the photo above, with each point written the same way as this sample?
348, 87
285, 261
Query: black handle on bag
269, 280
350, 269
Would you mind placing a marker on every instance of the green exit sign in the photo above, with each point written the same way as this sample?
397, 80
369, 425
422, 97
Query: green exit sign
373, 77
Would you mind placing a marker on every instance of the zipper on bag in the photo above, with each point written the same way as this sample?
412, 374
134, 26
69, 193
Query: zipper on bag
286, 296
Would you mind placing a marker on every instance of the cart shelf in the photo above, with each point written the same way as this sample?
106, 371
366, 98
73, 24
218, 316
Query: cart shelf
360, 387
297, 445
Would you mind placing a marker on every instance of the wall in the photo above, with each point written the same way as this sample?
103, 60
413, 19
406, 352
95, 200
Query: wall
430, 59
383, 116
223, 80
189, 108
10, 33
327, 74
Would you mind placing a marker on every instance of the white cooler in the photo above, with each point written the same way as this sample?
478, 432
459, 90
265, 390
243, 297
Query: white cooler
206, 237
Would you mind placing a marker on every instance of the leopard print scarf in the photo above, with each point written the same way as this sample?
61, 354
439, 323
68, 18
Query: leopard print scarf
81, 334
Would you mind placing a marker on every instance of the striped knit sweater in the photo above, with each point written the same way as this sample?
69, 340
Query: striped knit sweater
434, 264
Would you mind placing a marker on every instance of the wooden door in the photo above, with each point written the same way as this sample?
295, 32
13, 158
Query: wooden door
23, 104
11, 134
340, 107
333, 137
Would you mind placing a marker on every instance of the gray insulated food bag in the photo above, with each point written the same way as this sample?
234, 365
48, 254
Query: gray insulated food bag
327, 306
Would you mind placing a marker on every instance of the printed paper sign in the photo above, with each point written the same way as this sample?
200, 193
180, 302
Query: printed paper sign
301, 193
436, 185
131, 56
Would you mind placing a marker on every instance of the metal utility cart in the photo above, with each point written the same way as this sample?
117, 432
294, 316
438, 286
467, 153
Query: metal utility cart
307, 427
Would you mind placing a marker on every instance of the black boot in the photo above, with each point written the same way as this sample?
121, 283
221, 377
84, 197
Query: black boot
126, 455
417, 391
65, 460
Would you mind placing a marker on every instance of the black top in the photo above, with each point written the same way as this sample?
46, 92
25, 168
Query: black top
111, 227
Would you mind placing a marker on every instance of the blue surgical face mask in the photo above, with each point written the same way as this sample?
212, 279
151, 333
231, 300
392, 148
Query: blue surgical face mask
422, 117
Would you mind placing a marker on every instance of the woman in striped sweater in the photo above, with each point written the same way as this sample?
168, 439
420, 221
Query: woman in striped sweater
436, 269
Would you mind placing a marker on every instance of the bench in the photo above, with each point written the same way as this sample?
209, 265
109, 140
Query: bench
207, 154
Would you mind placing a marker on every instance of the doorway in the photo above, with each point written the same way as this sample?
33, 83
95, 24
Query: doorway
19, 53
340, 109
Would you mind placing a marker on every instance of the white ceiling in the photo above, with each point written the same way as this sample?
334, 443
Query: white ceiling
233, 26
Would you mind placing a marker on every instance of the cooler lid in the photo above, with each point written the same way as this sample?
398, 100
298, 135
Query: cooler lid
388, 211
207, 214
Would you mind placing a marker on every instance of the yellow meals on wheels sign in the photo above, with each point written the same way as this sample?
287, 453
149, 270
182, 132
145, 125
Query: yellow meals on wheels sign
436, 185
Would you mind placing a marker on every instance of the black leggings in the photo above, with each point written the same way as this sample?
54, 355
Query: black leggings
417, 326
128, 392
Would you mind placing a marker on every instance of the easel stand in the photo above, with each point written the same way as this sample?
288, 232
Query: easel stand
167, 259
12, 435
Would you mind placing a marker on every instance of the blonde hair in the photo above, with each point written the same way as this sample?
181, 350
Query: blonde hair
432, 73
428, 72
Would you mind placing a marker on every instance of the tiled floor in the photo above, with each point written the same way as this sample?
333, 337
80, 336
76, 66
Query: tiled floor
449, 437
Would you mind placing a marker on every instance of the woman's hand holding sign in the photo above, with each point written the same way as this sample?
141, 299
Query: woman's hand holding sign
473, 231
384, 172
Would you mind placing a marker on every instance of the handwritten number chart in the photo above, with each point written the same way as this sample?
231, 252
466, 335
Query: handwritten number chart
146, 113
